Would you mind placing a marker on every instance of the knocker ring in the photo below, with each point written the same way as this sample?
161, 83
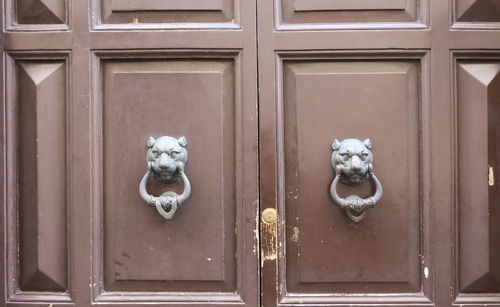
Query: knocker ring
166, 159
352, 161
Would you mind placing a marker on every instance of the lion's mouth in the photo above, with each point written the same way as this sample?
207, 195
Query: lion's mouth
356, 178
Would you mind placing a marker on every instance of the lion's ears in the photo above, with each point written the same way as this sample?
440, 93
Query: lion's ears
151, 142
368, 143
182, 141
335, 145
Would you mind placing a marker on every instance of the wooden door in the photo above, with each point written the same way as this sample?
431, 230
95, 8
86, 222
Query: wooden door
86, 83
421, 80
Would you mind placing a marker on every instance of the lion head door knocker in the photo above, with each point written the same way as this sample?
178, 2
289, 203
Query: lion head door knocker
352, 162
166, 159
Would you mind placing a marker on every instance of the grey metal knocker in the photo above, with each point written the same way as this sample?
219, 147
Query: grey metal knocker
352, 161
166, 159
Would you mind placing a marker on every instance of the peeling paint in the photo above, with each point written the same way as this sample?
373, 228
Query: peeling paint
269, 250
256, 242
491, 177
293, 193
295, 235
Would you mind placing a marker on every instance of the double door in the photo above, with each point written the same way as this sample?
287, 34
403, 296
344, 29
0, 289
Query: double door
260, 90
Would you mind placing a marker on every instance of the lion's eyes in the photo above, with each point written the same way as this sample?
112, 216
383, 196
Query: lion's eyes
346, 156
155, 151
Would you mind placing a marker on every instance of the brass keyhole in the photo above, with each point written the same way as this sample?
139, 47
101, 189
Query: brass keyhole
269, 216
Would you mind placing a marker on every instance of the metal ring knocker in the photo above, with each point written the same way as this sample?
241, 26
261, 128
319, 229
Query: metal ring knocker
166, 159
352, 161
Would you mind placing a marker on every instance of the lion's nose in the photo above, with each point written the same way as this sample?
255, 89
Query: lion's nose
356, 163
165, 162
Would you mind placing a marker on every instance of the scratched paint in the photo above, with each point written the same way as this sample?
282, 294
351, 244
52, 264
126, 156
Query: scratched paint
295, 235
269, 250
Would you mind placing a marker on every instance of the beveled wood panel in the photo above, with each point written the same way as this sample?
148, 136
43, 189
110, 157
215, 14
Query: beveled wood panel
167, 13
36, 15
325, 251
37, 226
477, 11
220, 240
40, 11
319, 14
346, 5
478, 91
167, 5
42, 176
203, 253
139, 245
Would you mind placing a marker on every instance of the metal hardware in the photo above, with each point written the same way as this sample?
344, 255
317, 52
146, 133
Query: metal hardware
166, 159
269, 216
352, 161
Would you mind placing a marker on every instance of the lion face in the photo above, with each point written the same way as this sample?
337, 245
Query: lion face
165, 155
355, 159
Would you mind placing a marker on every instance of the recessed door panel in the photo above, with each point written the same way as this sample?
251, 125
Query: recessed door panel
195, 250
199, 13
478, 93
477, 11
326, 252
350, 14
36, 15
38, 226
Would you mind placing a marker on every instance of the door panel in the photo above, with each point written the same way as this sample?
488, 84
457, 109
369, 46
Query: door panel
326, 252
42, 175
165, 11
188, 256
296, 14
204, 252
477, 11
36, 119
478, 85
323, 257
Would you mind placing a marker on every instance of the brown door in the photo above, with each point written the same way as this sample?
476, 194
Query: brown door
260, 90
86, 84
421, 80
